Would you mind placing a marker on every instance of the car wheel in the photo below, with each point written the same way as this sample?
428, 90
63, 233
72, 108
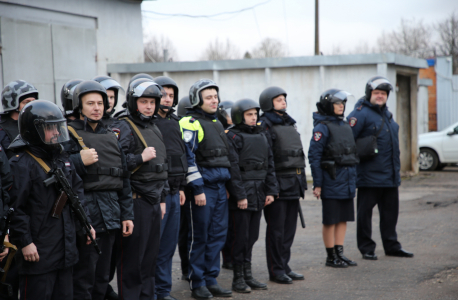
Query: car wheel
428, 160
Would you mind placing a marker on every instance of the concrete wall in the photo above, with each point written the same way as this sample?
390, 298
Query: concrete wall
49, 42
304, 85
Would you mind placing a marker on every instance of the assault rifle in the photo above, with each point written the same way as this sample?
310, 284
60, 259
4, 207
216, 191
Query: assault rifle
58, 177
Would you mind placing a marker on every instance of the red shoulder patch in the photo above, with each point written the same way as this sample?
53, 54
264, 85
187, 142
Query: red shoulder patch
317, 136
352, 121
116, 131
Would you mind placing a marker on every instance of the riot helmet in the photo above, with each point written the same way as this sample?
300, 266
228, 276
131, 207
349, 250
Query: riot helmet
240, 107
224, 113
66, 95
135, 77
168, 82
195, 92
16, 91
378, 83
110, 84
267, 96
183, 106
86, 87
329, 98
143, 88
42, 123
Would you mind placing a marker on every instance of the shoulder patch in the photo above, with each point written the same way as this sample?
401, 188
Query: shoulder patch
361, 107
187, 135
67, 164
352, 121
317, 136
116, 131
259, 123
192, 120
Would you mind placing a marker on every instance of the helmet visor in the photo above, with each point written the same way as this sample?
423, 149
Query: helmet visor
342, 96
226, 112
112, 84
52, 132
139, 89
380, 83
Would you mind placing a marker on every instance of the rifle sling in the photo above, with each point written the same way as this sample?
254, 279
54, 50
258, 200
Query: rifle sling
80, 139
139, 135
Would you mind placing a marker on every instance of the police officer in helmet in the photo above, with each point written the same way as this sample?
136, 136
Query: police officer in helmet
208, 171
378, 174
66, 97
46, 245
143, 144
106, 187
289, 158
252, 170
224, 113
333, 159
167, 122
15, 96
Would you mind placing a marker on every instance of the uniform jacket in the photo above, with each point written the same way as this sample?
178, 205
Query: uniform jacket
255, 191
170, 129
107, 208
384, 169
55, 239
291, 186
197, 176
6, 182
154, 191
344, 186
8, 132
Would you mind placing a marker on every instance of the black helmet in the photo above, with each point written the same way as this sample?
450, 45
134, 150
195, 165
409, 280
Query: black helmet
377, 83
195, 91
327, 100
14, 92
88, 86
224, 112
168, 82
183, 106
240, 107
66, 95
142, 88
266, 97
39, 117
110, 84
135, 77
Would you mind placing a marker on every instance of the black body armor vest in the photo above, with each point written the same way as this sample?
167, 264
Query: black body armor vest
287, 148
155, 169
176, 152
11, 129
253, 158
213, 150
107, 173
341, 146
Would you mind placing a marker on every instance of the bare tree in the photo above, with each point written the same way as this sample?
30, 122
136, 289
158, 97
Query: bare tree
411, 38
217, 50
269, 47
153, 48
448, 39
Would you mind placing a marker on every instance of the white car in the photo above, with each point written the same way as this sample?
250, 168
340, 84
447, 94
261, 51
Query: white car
437, 149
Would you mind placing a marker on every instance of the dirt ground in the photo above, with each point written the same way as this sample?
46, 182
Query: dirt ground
427, 226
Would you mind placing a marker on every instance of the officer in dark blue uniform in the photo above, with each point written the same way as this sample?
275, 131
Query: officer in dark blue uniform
15, 96
333, 159
378, 177
207, 212
167, 122
113, 90
46, 245
252, 187
289, 158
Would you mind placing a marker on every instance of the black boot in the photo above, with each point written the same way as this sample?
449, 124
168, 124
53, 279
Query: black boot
339, 253
238, 283
253, 283
333, 261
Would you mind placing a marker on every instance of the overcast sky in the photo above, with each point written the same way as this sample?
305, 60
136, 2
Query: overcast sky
343, 24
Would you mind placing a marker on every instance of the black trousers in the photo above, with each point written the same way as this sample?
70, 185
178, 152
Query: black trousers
12, 277
183, 237
91, 273
226, 251
387, 200
245, 232
114, 261
56, 285
281, 218
137, 253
